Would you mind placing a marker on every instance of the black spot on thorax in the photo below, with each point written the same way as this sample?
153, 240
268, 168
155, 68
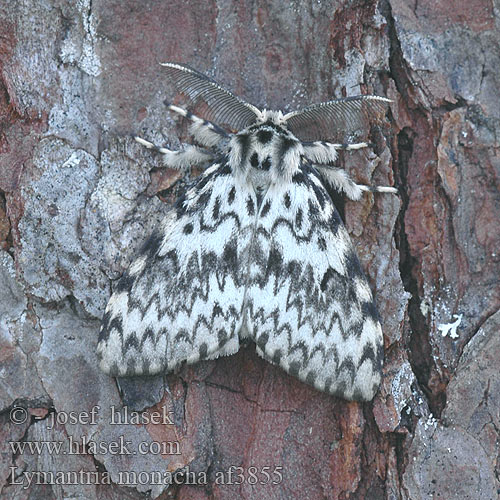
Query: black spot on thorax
265, 208
287, 200
250, 206
254, 160
266, 164
264, 136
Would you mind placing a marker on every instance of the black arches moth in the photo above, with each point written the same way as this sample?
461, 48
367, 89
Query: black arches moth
254, 249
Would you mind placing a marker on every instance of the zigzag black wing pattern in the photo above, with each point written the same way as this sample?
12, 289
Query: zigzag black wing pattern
181, 298
309, 307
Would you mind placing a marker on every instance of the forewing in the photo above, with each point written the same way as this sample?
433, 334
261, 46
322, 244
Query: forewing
209, 99
181, 299
333, 120
310, 308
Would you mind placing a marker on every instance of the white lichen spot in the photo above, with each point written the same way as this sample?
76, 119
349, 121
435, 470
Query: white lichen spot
69, 52
424, 307
352, 77
72, 161
402, 380
89, 61
451, 328
431, 422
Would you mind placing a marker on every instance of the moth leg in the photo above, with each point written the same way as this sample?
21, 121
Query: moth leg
353, 146
340, 180
326, 152
206, 133
180, 160
322, 154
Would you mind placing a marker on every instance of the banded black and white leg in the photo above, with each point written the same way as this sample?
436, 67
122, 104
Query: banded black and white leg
181, 160
205, 132
323, 154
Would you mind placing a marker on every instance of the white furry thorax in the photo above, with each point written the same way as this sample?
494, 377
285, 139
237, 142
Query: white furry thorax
266, 152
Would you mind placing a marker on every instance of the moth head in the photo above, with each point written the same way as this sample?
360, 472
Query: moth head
269, 143
327, 121
270, 116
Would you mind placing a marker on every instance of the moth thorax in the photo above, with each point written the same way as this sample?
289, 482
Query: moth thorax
265, 153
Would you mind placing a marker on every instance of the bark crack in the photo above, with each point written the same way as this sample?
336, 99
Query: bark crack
417, 342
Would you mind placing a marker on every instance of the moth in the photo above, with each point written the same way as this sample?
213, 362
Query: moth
255, 249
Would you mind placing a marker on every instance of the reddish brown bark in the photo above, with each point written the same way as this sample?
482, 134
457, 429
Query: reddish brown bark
78, 79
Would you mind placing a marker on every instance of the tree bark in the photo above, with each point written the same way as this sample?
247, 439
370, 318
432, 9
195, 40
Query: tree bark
78, 197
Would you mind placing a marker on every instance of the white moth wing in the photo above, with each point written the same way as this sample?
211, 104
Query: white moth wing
309, 306
181, 299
